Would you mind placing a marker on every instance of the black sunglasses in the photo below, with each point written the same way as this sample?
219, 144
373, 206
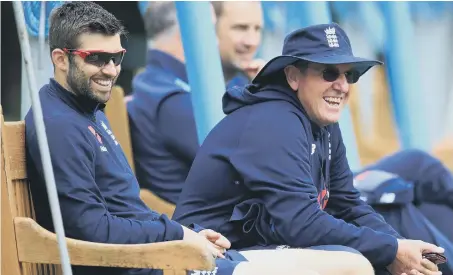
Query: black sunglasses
330, 74
97, 57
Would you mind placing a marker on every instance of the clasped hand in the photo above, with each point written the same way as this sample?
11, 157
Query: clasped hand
409, 259
214, 241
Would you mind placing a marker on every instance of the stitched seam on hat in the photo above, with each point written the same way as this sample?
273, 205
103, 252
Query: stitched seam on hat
324, 55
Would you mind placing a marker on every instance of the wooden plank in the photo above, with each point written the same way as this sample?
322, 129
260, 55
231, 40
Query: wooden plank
32, 240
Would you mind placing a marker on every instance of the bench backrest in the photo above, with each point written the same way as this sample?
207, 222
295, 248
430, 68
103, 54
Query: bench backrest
16, 200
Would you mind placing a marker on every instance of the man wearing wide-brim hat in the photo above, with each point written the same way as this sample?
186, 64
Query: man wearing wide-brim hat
274, 171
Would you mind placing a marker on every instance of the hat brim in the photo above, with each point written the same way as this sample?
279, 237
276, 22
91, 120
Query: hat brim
280, 62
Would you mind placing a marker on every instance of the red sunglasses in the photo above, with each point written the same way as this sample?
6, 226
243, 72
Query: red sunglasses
97, 57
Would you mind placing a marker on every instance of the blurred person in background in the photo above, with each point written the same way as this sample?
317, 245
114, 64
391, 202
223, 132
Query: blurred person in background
413, 191
162, 123
273, 173
239, 29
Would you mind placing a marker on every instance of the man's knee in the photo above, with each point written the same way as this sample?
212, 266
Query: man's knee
335, 248
333, 261
340, 263
359, 264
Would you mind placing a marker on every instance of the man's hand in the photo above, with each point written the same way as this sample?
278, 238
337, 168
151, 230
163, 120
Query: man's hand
409, 259
252, 69
202, 238
216, 238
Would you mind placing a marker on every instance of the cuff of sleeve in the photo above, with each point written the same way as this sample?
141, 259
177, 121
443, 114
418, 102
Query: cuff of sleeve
195, 227
174, 231
390, 253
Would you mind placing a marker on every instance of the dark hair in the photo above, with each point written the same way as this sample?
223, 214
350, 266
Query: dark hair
218, 8
279, 77
302, 65
159, 17
72, 19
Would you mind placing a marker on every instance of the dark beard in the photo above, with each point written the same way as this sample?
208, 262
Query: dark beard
80, 83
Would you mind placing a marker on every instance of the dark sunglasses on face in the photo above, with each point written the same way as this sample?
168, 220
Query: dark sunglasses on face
330, 74
97, 57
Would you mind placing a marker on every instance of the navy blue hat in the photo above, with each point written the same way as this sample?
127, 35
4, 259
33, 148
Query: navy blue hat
324, 44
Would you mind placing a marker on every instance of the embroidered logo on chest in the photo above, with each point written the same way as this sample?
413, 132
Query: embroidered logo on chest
108, 131
98, 138
330, 148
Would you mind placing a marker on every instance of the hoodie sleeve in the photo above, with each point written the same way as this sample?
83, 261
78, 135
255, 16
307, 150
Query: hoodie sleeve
272, 157
85, 215
175, 117
344, 202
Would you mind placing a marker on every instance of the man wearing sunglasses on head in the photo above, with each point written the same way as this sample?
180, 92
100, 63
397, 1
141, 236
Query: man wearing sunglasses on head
273, 173
97, 190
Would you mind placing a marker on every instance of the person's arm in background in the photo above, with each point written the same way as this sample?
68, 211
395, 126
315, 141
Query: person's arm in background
247, 75
433, 182
344, 202
176, 124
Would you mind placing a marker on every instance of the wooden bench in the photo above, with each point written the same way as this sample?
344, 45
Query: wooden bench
29, 249
116, 113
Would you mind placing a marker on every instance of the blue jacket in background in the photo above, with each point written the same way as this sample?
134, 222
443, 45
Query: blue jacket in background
97, 190
162, 125
412, 190
433, 182
431, 185
239, 80
267, 175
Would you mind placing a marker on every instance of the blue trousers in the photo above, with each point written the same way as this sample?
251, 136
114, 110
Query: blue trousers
223, 266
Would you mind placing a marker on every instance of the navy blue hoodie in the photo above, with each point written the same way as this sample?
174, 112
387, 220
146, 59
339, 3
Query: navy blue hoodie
98, 192
162, 125
267, 175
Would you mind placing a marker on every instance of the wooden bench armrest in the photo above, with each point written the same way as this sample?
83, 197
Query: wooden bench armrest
38, 245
